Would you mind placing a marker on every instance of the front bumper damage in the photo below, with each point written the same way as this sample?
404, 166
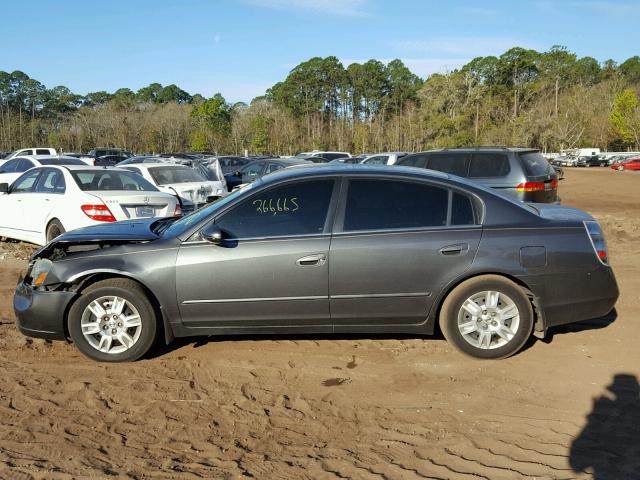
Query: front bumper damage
40, 313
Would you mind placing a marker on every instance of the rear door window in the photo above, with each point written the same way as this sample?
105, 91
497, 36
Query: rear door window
391, 204
42, 151
453, 163
535, 164
298, 208
24, 165
489, 165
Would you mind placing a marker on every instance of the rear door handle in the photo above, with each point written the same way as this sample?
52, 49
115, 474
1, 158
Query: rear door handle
456, 249
311, 260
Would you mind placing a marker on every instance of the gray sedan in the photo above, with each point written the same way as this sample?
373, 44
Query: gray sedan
325, 249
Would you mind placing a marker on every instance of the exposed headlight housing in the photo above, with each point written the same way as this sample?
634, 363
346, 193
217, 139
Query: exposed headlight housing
40, 271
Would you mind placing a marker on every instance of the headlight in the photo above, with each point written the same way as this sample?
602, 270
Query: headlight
40, 270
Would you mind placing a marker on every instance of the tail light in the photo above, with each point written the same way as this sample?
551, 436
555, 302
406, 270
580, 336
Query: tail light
178, 211
100, 213
554, 184
530, 187
597, 241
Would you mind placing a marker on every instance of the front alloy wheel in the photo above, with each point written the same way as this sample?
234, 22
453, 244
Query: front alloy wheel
111, 324
113, 321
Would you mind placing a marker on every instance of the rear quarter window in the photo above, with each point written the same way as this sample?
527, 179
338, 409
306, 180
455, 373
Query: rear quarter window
453, 163
535, 164
489, 165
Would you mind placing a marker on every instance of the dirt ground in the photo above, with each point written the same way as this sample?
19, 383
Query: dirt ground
345, 407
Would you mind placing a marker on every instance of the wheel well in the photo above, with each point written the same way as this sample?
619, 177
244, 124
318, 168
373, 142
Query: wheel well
80, 284
538, 320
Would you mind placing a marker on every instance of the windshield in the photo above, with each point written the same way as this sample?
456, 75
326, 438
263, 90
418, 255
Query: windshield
165, 175
106, 180
183, 224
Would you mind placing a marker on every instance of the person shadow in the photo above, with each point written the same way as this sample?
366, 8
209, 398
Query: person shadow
609, 444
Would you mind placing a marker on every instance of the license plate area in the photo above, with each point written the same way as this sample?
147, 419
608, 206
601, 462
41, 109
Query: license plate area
145, 211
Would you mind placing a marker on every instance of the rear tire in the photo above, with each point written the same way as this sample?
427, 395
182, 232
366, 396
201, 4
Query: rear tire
54, 229
113, 321
487, 317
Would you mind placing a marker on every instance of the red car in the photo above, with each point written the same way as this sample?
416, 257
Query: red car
627, 164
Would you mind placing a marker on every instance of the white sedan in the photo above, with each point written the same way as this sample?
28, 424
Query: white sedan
189, 186
13, 168
47, 201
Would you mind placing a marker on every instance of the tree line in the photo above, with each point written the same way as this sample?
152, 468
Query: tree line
548, 100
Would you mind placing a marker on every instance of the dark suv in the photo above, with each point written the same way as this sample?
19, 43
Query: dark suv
521, 172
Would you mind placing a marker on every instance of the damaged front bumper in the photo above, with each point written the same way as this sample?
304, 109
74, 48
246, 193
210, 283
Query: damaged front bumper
41, 313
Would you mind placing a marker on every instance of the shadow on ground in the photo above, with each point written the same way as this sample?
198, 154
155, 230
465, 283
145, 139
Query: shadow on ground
609, 444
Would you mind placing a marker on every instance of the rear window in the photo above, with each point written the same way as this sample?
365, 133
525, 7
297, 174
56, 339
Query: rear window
455, 164
488, 165
535, 164
168, 175
417, 160
105, 180
61, 161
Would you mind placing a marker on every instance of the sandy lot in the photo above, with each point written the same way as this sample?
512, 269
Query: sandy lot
339, 407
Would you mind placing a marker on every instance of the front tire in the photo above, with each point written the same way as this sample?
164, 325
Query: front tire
113, 321
487, 317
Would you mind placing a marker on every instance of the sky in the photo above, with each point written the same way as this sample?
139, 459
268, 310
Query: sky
242, 47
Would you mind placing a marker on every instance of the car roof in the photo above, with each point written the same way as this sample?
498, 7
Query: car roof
147, 166
483, 149
314, 169
85, 168
37, 158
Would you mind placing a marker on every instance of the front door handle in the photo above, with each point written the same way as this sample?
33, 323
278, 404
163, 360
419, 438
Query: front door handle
456, 249
311, 260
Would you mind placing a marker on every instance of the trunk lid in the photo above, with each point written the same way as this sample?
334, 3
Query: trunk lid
560, 212
125, 205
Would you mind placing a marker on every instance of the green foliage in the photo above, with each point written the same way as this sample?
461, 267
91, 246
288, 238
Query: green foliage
549, 100
199, 141
624, 119
260, 126
213, 114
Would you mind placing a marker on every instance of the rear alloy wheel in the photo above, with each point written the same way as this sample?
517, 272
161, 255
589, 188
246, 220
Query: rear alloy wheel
620, 168
113, 321
54, 229
487, 317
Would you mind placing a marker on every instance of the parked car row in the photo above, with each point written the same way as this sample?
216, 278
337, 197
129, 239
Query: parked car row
195, 180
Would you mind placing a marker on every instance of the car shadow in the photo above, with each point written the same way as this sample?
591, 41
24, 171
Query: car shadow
160, 348
609, 444
591, 324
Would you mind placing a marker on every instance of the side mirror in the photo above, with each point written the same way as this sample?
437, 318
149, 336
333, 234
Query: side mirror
212, 234
4, 188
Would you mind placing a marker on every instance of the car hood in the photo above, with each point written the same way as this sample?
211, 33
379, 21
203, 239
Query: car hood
116, 233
